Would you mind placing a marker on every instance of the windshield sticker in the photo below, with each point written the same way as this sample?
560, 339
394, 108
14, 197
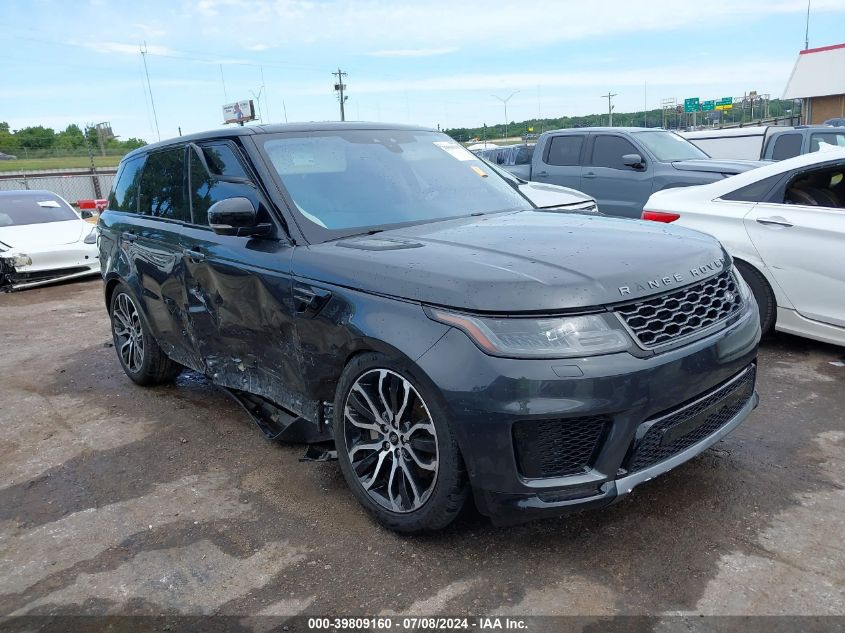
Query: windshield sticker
479, 171
455, 150
49, 203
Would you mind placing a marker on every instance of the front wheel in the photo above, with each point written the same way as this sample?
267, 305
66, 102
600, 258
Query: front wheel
763, 295
396, 448
138, 352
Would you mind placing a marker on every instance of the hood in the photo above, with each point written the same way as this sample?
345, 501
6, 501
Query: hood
545, 196
37, 236
528, 261
720, 165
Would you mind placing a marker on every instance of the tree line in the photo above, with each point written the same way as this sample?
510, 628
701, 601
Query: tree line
39, 141
653, 118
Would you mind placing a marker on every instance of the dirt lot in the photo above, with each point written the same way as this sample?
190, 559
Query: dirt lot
122, 500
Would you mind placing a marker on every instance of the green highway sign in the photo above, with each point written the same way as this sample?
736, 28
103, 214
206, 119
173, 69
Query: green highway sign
726, 103
691, 104
708, 105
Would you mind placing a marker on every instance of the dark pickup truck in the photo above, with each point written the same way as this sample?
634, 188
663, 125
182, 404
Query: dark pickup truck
622, 167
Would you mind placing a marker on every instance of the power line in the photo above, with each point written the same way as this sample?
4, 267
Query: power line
150, 88
339, 88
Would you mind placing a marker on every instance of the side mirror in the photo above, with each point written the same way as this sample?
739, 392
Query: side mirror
236, 216
633, 160
86, 215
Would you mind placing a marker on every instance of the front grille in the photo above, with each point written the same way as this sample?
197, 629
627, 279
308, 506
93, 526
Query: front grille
556, 448
658, 320
677, 430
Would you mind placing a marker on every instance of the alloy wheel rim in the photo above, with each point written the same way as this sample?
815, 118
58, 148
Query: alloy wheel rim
391, 440
126, 323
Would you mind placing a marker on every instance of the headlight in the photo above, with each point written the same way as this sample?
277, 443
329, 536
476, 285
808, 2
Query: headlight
91, 238
742, 286
19, 261
554, 337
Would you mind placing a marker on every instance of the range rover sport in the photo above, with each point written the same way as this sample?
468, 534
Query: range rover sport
378, 290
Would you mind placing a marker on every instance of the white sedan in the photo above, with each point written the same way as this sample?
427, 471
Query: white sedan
42, 240
784, 225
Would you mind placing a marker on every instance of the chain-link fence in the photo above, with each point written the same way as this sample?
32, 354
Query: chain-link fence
70, 185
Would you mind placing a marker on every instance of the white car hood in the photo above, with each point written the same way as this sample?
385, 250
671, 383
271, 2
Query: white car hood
38, 236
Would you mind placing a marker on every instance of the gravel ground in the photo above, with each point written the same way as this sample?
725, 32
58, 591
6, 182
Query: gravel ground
121, 500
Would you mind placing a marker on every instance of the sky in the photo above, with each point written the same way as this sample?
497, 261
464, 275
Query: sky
432, 62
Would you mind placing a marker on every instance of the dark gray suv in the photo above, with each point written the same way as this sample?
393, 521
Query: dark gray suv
379, 291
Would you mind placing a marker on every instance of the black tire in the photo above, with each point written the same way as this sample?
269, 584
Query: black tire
449, 490
763, 295
153, 367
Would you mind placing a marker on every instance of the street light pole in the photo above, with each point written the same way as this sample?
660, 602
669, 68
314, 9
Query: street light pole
505, 103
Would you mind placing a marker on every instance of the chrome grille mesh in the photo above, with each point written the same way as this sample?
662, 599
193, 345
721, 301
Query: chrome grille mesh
658, 320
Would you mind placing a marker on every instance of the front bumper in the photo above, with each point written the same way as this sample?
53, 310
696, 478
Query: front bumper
36, 268
488, 397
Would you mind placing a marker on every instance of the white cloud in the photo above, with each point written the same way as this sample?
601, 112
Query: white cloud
150, 31
411, 26
121, 48
759, 72
413, 52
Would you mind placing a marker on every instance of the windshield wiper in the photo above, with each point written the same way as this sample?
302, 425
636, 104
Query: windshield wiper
370, 232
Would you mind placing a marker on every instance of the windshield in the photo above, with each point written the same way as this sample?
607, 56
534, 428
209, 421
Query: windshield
34, 209
347, 181
668, 147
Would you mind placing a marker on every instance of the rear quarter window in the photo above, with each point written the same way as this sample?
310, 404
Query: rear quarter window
124, 194
756, 191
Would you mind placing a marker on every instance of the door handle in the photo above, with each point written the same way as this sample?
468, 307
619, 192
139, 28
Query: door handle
128, 236
775, 221
589, 174
309, 300
194, 256
542, 174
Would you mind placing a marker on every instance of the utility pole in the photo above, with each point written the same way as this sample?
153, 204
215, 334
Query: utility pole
609, 96
505, 103
807, 28
339, 88
149, 87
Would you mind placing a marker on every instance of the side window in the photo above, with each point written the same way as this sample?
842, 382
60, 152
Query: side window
163, 185
124, 193
523, 155
205, 190
755, 192
786, 146
826, 140
609, 150
565, 150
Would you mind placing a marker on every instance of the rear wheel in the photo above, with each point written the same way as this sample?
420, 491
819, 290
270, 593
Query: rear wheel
138, 352
763, 294
396, 448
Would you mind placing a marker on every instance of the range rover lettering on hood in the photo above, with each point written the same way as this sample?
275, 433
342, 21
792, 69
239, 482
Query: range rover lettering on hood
675, 278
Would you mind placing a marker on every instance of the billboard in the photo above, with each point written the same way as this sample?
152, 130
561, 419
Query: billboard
238, 112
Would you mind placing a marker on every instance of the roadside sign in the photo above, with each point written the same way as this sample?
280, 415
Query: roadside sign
708, 105
691, 104
727, 103
530, 129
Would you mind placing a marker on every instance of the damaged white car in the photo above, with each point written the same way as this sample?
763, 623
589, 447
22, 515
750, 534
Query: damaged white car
42, 240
